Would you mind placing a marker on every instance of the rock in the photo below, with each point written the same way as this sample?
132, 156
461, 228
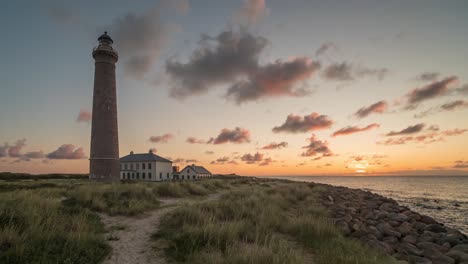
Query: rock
420, 227
343, 226
461, 247
387, 207
419, 260
390, 240
390, 232
427, 220
458, 256
441, 259
431, 247
405, 228
436, 228
400, 217
378, 245
383, 226
394, 223
410, 239
374, 231
452, 239
408, 249
330, 199
456, 205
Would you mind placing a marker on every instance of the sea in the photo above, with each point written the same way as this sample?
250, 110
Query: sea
444, 198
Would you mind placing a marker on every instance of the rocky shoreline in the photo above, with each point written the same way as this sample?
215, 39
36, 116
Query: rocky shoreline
383, 224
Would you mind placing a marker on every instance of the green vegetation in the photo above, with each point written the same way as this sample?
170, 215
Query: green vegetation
250, 221
260, 222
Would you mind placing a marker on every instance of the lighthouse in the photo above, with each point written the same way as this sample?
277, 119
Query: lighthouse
104, 162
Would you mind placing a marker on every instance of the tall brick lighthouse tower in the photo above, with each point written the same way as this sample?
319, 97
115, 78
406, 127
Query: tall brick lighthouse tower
104, 158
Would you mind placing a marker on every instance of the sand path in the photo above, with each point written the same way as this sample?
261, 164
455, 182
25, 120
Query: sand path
130, 237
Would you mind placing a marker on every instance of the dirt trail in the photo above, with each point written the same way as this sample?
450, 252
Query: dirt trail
130, 237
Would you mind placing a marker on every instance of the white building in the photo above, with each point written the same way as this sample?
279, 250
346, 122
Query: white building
193, 172
145, 167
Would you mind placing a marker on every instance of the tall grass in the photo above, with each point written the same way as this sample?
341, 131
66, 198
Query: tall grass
263, 223
35, 229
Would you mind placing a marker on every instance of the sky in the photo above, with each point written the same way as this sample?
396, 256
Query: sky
253, 87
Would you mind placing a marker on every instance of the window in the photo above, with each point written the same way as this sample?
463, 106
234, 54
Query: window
160, 175
138, 166
143, 175
149, 175
167, 175
149, 166
138, 175
126, 167
121, 166
182, 177
131, 166
143, 166
133, 175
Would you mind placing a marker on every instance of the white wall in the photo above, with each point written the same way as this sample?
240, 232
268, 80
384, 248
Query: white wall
136, 168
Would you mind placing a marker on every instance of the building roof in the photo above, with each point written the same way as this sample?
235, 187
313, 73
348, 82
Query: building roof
150, 156
198, 169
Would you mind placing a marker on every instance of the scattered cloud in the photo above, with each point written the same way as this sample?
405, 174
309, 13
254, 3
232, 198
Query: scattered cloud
161, 139
209, 152
450, 106
274, 145
299, 124
67, 151
266, 162
427, 76
223, 160
193, 140
430, 91
250, 12
462, 90
140, 38
14, 151
430, 137
232, 58
345, 71
379, 107
4, 150
237, 136
32, 155
354, 129
84, 116
460, 164
409, 130
326, 47
256, 158
273, 80
191, 161
180, 6
316, 147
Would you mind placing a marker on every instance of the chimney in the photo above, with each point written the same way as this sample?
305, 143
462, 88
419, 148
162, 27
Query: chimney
193, 164
150, 151
131, 152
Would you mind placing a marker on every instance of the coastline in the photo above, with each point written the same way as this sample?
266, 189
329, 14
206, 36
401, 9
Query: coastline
383, 224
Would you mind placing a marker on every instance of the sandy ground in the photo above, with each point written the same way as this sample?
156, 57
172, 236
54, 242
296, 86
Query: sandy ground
130, 237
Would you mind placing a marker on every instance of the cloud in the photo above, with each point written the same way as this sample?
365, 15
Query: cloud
274, 145
460, 164
409, 130
178, 160
462, 90
379, 107
450, 106
338, 72
67, 151
223, 160
316, 147
15, 150
63, 14
181, 6
325, 47
161, 139
232, 58
298, 124
237, 136
84, 116
32, 155
193, 140
273, 80
345, 71
253, 158
266, 162
430, 91
251, 11
4, 150
354, 129
431, 137
191, 161
209, 152
427, 76
139, 39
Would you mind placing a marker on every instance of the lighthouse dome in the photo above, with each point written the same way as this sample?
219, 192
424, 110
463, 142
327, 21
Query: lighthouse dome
105, 38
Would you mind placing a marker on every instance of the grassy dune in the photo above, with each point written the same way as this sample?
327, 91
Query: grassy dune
262, 222
252, 221
56, 221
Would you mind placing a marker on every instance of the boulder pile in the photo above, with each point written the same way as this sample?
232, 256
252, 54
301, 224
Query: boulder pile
383, 224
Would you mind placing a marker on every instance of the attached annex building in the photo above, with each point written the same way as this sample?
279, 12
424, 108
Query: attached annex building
192, 172
145, 167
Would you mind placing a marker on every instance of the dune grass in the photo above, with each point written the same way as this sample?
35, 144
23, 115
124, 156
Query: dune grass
262, 222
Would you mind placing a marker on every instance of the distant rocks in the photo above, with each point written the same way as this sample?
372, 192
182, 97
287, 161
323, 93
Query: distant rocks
384, 225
